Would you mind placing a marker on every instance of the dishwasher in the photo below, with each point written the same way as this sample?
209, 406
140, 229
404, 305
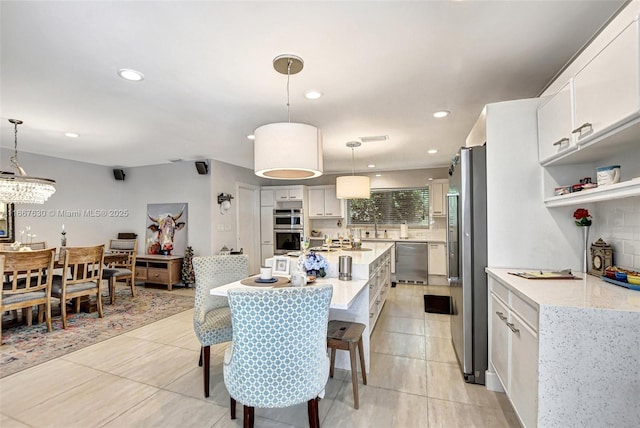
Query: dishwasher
411, 262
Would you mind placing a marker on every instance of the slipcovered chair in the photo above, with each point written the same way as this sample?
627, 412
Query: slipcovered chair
211, 314
122, 271
278, 356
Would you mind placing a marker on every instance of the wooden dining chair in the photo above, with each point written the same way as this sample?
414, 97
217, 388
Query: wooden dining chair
29, 283
123, 270
40, 245
82, 267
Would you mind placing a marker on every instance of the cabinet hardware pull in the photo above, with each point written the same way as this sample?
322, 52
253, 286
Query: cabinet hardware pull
560, 141
378, 302
512, 327
581, 127
329, 213
318, 213
501, 315
370, 314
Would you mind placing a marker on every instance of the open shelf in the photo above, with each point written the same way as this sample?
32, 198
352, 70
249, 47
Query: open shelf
625, 189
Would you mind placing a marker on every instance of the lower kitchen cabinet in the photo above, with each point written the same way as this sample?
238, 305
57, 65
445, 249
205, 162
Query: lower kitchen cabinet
437, 258
266, 251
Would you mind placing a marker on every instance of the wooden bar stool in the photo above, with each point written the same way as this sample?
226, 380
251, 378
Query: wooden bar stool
345, 335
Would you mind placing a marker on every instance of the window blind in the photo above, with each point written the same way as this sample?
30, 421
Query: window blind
391, 206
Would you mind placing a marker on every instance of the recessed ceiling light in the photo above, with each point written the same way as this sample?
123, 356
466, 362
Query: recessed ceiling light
430, 178
251, 137
312, 94
71, 135
378, 175
442, 113
128, 74
373, 138
371, 165
432, 151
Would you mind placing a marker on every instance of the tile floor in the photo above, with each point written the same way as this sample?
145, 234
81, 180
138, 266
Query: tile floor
149, 377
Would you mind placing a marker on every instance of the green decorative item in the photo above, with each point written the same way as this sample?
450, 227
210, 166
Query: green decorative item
187, 275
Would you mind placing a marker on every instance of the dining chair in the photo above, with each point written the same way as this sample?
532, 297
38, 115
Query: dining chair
82, 268
123, 270
211, 314
29, 283
278, 356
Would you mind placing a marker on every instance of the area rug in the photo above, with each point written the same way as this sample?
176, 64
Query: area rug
26, 346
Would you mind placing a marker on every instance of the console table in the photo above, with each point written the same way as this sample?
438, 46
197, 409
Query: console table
157, 269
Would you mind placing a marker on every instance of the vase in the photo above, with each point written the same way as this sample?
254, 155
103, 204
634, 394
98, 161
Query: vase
585, 257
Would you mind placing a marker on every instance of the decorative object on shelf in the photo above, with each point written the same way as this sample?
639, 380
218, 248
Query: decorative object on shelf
583, 220
353, 186
63, 238
19, 188
281, 266
608, 175
224, 200
287, 150
601, 258
187, 276
314, 264
224, 251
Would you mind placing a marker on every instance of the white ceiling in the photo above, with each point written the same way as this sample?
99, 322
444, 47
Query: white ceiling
384, 68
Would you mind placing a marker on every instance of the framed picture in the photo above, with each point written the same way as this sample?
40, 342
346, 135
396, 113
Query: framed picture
280, 266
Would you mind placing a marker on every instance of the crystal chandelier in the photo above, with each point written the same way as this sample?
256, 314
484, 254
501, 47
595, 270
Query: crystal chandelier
19, 188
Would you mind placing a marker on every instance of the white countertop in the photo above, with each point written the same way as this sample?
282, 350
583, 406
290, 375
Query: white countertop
344, 292
358, 257
588, 292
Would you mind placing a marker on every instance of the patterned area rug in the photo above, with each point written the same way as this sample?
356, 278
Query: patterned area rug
24, 347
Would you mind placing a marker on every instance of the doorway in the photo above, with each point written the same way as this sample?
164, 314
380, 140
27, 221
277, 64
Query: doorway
248, 223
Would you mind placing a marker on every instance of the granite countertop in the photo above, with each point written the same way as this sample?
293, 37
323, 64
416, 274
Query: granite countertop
587, 292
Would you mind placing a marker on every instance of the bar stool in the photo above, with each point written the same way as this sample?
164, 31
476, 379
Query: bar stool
345, 335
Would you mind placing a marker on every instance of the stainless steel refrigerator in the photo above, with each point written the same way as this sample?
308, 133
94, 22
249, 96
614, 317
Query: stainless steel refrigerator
467, 259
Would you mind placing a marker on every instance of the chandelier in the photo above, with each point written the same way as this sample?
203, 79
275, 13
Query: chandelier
287, 150
353, 186
19, 188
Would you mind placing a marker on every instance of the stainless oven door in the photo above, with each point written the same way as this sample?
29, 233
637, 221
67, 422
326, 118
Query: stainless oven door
287, 221
286, 241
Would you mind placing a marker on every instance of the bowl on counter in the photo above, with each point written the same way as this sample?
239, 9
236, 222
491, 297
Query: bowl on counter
621, 276
633, 279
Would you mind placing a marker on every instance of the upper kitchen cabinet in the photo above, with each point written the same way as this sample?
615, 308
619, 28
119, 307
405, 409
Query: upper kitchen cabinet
323, 202
267, 198
555, 125
605, 102
438, 196
289, 194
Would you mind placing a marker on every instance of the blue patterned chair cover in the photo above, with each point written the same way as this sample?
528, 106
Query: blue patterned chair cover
278, 356
211, 314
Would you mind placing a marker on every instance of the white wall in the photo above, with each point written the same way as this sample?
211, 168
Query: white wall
618, 224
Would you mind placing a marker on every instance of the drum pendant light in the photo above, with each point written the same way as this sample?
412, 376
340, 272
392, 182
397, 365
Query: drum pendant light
353, 186
19, 188
286, 150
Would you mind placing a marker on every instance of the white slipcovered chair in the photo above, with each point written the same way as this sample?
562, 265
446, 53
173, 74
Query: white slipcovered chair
278, 356
211, 314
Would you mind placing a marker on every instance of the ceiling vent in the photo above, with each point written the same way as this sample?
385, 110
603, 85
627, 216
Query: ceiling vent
374, 138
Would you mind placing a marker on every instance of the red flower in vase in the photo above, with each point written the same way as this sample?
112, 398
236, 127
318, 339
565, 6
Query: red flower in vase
582, 216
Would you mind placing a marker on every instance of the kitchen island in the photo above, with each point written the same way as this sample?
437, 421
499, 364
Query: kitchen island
359, 300
567, 352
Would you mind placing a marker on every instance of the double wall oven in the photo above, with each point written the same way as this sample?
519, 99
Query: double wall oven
288, 230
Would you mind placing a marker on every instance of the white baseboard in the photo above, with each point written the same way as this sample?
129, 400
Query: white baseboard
492, 382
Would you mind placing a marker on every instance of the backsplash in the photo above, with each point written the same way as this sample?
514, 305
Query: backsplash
618, 224
436, 232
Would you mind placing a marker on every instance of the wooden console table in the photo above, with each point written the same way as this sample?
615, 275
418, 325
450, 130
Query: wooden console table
157, 269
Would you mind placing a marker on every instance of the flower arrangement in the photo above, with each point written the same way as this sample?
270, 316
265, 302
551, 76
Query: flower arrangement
582, 217
313, 263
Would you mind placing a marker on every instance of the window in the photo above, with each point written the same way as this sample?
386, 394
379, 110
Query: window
391, 206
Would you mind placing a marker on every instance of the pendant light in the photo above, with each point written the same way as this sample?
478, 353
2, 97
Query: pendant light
286, 150
353, 186
19, 188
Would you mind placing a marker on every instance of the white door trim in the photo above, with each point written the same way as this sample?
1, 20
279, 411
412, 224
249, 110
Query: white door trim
256, 219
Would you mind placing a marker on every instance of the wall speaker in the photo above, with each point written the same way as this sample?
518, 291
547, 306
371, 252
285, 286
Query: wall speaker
118, 174
202, 167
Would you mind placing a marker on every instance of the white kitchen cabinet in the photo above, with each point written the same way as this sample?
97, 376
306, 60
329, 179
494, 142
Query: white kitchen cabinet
266, 198
323, 202
266, 251
266, 226
606, 89
514, 350
438, 195
555, 125
437, 258
289, 194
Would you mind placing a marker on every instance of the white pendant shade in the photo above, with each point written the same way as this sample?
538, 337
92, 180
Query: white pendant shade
353, 187
286, 151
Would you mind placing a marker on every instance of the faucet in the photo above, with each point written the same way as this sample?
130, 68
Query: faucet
375, 226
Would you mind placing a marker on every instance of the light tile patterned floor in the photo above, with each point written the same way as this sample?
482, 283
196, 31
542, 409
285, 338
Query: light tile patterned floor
150, 377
